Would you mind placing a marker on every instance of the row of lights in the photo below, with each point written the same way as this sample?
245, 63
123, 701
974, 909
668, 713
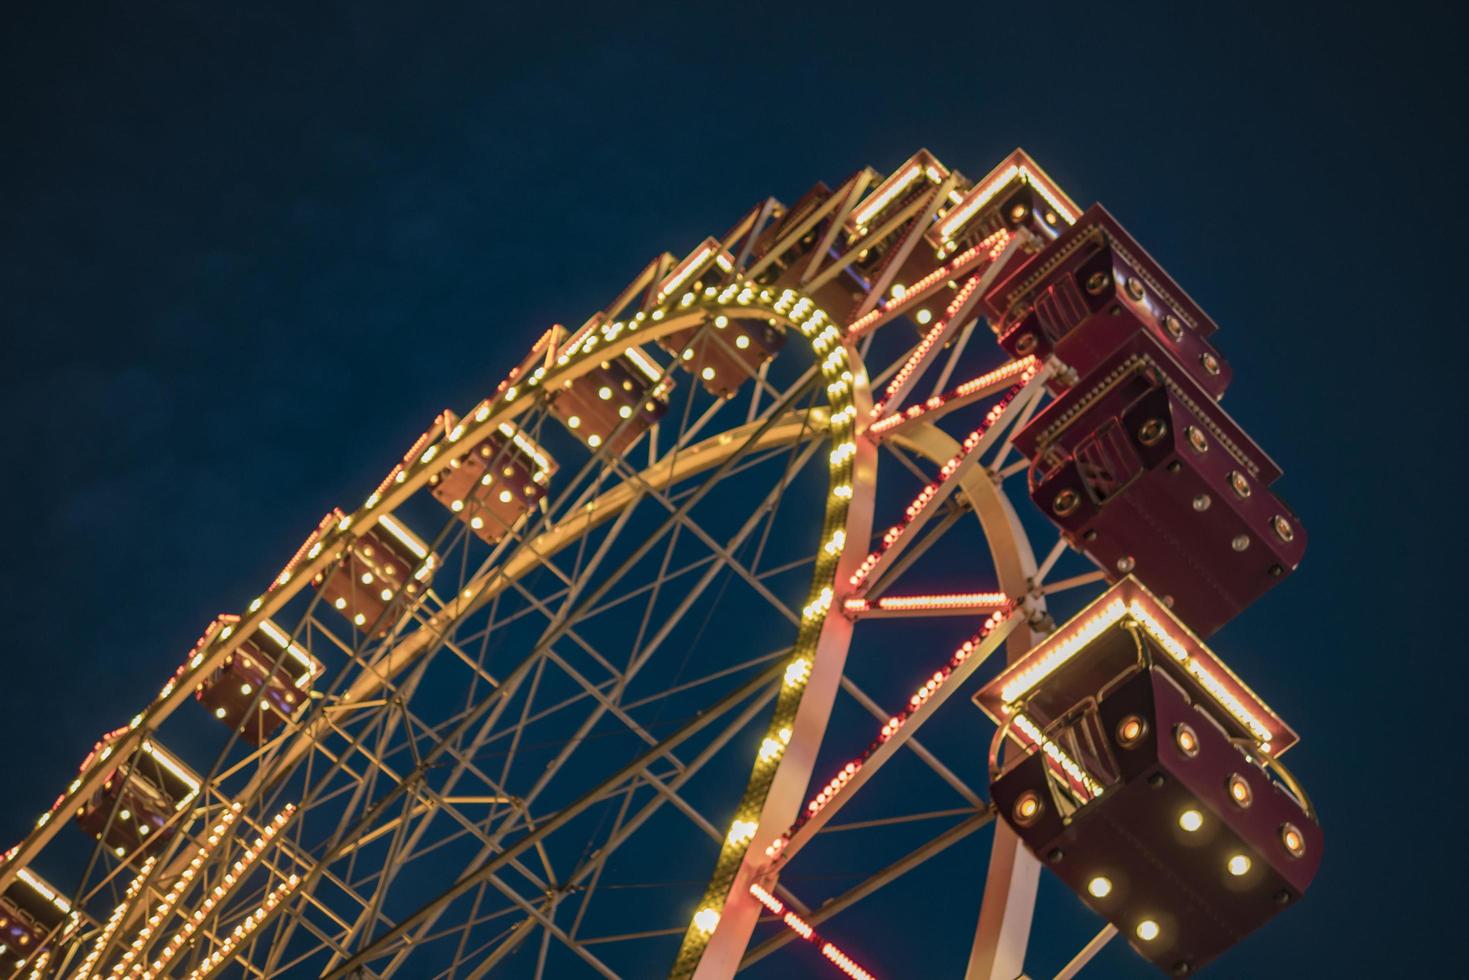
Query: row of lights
905, 297
1029, 735
227, 884
966, 601
1130, 733
1063, 647
894, 533
802, 928
890, 728
114, 921
1021, 367
180, 885
827, 342
242, 931
981, 196
925, 346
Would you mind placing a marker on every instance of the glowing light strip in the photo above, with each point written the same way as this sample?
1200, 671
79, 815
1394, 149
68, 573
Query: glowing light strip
686, 270
42, 889
574, 342
529, 447
885, 196
1051, 199
227, 884
1081, 779
441, 424
296, 651
1052, 660
973, 388
1068, 646
309, 549
920, 353
407, 537
172, 765
971, 444
827, 343
990, 248
644, 363
889, 728
243, 930
180, 885
961, 214
963, 601
114, 921
1226, 698
803, 929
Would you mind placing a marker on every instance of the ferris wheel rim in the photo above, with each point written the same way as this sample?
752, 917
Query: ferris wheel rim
1004, 535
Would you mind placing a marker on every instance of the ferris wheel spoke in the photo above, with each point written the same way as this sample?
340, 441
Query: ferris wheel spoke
1075, 581
979, 388
830, 270
930, 500
1049, 562
644, 651
1084, 956
897, 731
840, 903
594, 864
911, 236
487, 867
591, 689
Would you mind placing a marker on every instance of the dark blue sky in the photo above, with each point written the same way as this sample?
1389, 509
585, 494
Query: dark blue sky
243, 250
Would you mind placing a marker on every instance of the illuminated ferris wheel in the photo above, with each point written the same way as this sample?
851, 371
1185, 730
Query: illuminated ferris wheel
647, 662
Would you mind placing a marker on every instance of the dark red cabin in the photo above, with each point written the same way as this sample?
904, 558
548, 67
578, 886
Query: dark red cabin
132, 811
497, 484
1016, 197
614, 403
261, 684
881, 222
30, 912
387, 562
731, 351
1147, 779
1090, 293
1142, 471
790, 265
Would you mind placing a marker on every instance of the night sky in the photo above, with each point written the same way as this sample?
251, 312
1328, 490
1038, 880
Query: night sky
245, 252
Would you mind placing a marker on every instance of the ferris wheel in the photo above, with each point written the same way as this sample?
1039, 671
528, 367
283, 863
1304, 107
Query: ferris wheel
693, 645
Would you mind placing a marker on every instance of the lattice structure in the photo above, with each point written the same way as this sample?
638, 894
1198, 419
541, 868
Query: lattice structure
590, 638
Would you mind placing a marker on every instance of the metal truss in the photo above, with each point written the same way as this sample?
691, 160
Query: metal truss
479, 785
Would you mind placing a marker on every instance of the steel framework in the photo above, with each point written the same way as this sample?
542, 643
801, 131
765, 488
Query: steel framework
589, 744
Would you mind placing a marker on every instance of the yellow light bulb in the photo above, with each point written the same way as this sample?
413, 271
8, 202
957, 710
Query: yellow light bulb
1147, 930
1239, 865
1100, 886
1191, 820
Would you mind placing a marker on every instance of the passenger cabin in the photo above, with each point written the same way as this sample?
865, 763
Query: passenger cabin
496, 485
385, 574
784, 252
730, 351
258, 686
131, 812
33, 915
1017, 198
1145, 774
615, 402
1094, 291
1142, 471
893, 225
